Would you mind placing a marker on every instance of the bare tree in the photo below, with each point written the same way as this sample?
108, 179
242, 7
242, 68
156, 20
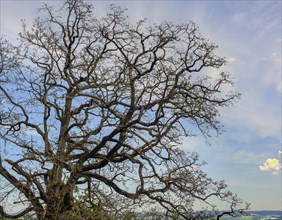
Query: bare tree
96, 109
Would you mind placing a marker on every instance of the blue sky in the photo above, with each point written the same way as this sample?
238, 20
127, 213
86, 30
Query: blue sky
248, 33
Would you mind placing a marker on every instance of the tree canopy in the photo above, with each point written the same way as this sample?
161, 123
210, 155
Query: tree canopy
93, 112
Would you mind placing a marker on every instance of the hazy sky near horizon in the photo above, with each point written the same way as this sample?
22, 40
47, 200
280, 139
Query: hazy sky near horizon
248, 33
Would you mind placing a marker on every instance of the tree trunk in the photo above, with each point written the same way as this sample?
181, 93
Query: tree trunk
59, 195
58, 202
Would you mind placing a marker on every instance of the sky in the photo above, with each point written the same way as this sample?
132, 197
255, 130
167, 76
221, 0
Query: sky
248, 154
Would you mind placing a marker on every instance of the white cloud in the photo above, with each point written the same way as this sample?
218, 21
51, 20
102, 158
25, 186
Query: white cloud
239, 18
231, 59
271, 165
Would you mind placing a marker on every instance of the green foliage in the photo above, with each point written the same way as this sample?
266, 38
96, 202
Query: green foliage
23, 218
